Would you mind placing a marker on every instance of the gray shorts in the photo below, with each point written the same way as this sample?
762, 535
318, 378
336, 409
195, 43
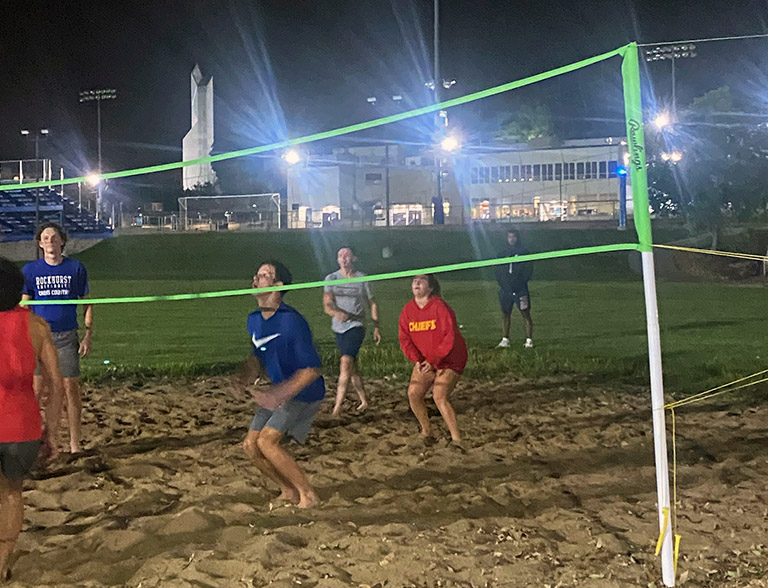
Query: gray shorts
17, 459
294, 418
68, 345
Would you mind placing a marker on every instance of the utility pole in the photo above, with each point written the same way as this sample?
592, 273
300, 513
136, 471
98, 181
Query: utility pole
98, 96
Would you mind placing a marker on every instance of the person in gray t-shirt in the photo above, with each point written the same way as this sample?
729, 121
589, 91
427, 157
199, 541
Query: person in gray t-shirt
347, 304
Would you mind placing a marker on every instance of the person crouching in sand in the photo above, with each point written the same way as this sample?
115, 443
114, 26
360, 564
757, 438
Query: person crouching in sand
430, 338
282, 346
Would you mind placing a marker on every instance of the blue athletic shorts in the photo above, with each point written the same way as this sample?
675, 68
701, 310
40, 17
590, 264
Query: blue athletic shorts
349, 342
508, 300
294, 418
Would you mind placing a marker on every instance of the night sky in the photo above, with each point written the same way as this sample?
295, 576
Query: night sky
287, 68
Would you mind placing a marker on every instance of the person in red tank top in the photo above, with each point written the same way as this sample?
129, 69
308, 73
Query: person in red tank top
25, 340
430, 338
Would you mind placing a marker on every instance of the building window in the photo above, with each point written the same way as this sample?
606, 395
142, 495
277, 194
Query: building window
593, 165
603, 169
580, 170
570, 171
473, 175
515, 173
485, 175
588, 171
558, 171
546, 172
527, 173
373, 178
505, 171
612, 169
494, 175
537, 173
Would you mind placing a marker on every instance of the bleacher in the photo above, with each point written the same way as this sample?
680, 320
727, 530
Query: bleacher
17, 215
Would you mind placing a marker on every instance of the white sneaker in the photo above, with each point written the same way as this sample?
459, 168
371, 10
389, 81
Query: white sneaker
528, 344
504, 342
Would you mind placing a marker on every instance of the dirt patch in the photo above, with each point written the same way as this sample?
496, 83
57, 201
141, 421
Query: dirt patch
556, 489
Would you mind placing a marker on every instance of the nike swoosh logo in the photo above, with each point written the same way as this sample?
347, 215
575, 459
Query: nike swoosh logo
263, 340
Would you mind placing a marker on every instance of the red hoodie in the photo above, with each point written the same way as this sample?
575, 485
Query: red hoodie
432, 334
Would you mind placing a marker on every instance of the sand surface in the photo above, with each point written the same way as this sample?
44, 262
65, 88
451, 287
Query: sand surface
556, 489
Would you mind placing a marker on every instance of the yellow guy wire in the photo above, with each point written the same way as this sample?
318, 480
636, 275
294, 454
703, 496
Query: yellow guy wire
749, 256
701, 396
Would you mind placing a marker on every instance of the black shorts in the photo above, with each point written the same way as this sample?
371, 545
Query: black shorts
17, 459
349, 342
508, 300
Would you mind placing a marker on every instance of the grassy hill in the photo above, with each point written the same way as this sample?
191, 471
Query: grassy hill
312, 254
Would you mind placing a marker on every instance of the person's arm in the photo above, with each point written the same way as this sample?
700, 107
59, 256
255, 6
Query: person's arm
287, 389
26, 297
446, 333
406, 343
87, 343
48, 359
374, 312
329, 306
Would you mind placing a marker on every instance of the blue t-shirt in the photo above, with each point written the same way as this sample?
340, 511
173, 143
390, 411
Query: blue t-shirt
283, 345
66, 281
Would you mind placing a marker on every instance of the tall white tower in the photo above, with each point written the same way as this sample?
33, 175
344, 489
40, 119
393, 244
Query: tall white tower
198, 142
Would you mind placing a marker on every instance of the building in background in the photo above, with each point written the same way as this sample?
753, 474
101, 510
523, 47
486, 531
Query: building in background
198, 142
363, 185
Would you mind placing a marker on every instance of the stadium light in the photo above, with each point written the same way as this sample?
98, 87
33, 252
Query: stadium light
662, 120
671, 53
93, 179
450, 144
673, 156
292, 157
25, 132
98, 96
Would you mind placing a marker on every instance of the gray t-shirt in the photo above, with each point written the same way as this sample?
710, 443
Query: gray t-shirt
351, 299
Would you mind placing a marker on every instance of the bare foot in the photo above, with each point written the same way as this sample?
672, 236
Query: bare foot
289, 495
363, 405
309, 500
75, 449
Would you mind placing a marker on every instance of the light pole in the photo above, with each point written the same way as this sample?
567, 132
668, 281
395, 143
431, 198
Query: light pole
40, 133
671, 53
98, 96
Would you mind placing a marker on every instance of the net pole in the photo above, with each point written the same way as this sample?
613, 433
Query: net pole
637, 167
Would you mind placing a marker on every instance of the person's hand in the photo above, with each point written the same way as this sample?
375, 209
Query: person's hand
342, 316
86, 344
268, 400
424, 367
48, 450
376, 335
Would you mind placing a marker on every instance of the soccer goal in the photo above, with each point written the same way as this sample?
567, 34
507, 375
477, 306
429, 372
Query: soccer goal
243, 212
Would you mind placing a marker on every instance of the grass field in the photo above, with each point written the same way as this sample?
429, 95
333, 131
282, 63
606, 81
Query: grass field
588, 310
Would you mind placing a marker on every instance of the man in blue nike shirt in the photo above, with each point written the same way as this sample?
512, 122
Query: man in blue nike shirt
282, 347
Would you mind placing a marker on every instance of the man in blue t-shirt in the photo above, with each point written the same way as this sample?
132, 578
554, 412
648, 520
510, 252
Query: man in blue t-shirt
55, 277
282, 347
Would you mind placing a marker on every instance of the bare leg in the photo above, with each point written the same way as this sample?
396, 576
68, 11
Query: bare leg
357, 382
505, 323
251, 448
417, 390
74, 412
526, 314
445, 382
345, 373
11, 519
269, 445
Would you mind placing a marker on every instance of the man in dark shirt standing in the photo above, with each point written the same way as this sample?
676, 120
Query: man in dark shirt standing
513, 288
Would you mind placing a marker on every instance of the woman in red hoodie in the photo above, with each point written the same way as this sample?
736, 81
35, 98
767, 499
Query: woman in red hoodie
429, 337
